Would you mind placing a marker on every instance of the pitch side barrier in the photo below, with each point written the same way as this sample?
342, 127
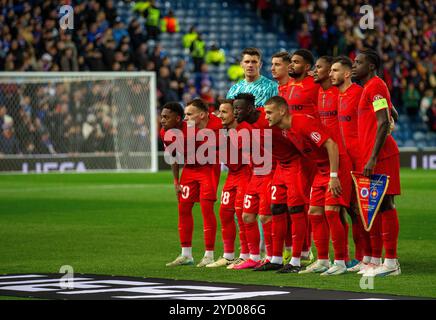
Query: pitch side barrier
412, 158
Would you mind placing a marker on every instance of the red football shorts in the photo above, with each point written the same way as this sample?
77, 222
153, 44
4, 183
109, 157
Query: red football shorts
391, 167
307, 174
199, 182
320, 196
286, 185
257, 198
232, 195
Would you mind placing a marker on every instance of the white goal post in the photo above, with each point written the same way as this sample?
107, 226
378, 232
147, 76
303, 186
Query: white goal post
78, 121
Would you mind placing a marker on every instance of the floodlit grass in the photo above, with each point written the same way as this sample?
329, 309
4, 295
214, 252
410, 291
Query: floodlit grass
126, 224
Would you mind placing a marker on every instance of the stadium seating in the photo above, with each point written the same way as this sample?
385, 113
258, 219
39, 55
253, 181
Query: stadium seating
230, 24
234, 26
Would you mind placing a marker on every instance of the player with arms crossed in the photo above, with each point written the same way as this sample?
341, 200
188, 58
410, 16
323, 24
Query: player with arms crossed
327, 194
380, 155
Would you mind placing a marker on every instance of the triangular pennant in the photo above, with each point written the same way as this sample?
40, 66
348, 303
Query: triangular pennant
370, 192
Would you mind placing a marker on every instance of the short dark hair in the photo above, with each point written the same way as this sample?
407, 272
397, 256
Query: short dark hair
277, 100
251, 52
174, 107
306, 54
226, 101
285, 56
344, 60
248, 97
328, 59
198, 103
373, 57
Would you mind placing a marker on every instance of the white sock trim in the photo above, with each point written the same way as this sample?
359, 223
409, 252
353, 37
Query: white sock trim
229, 256
187, 252
277, 260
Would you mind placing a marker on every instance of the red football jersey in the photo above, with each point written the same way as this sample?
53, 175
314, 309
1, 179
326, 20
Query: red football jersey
348, 103
263, 126
189, 154
233, 143
282, 148
328, 114
375, 97
301, 96
308, 135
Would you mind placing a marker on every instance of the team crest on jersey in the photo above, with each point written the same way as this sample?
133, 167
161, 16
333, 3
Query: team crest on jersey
316, 137
285, 133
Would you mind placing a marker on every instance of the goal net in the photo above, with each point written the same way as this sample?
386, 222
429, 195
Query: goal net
78, 121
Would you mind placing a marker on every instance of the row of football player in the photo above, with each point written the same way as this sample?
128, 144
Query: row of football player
323, 127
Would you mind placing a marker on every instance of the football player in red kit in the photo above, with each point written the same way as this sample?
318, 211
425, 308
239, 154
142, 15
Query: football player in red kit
198, 183
301, 93
380, 155
327, 194
232, 195
257, 200
348, 101
328, 113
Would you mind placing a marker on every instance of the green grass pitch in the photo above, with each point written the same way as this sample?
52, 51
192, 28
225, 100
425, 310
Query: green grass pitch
126, 224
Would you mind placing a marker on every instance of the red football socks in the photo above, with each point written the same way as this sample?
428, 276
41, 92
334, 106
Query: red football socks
242, 237
288, 235
320, 229
279, 228
186, 223
267, 235
209, 223
253, 237
228, 229
299, 231
390, 227
337, 232
375, 235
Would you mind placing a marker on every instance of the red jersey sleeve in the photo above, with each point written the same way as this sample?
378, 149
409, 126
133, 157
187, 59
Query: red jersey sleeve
379, 97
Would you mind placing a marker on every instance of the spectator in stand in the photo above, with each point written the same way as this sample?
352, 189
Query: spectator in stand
167, 89
411, 98
203, 79
190, 93
426, 101
189, 38
215, 55
304, 37
198, 52
431, 116
178, 75
68, 61
152, 23
235, 72
9, 143
170, 24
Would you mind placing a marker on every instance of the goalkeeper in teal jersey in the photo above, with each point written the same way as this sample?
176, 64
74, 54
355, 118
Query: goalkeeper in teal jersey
259, 86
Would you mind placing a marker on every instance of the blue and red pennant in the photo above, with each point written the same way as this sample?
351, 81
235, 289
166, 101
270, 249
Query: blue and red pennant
370, 192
